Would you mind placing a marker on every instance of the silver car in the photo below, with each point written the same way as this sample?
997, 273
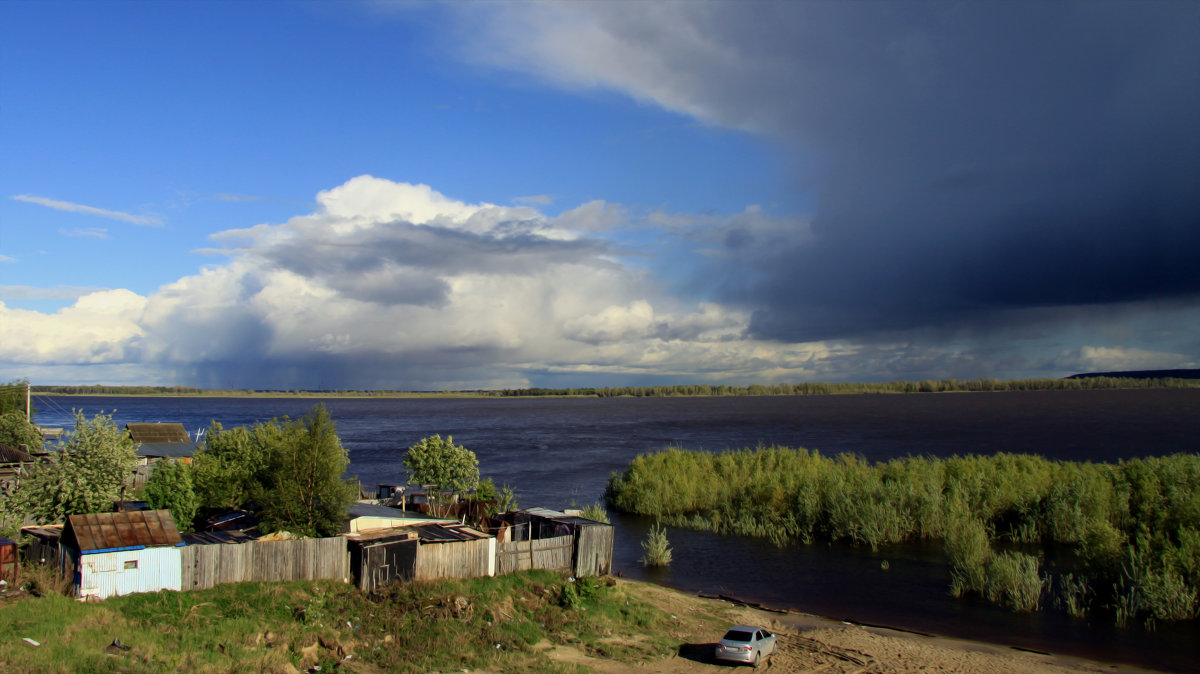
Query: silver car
745, 644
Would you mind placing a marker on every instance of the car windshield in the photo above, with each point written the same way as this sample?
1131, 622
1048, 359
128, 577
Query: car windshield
738, 635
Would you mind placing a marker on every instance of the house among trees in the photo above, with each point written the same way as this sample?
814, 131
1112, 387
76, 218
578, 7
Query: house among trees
14, 462
161, 440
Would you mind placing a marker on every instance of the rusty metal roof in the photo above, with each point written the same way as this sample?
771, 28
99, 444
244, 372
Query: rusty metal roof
105, 532
150, 433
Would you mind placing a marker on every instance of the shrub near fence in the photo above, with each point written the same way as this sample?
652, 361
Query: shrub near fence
265, 561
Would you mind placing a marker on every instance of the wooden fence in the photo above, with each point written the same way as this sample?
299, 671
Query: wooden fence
455, 559
593, 550
544, 553
204, 566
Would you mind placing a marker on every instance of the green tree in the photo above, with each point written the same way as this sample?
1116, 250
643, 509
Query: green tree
435, 461
15, 431
12, 396
227, 470
292, 469
170, 488
86, 476
302, 488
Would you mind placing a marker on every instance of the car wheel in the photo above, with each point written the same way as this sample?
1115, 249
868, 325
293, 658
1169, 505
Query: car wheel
757, 659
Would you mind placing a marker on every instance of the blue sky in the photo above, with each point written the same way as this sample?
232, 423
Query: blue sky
462, 195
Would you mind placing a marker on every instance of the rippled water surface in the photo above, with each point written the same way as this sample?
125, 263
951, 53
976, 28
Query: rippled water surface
556, 451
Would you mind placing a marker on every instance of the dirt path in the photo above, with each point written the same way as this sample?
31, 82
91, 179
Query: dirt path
809, 644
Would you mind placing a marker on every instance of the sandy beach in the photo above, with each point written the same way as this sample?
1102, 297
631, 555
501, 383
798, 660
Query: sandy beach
811, 644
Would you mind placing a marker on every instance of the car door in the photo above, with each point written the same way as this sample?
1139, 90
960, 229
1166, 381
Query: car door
766, 642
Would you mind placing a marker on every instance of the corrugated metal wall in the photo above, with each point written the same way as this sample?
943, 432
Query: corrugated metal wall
113, 574
307, 559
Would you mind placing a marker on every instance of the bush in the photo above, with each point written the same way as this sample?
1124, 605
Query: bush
1102, 511
1014, 580
596, 513
170, 488
655, 549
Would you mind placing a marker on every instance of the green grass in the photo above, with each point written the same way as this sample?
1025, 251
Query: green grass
262, 627
1134, 525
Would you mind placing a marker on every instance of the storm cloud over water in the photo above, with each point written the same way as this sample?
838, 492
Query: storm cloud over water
968, 161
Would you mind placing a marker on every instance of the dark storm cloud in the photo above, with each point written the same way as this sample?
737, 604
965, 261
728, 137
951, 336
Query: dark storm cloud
983, 157
402, 263
966, 158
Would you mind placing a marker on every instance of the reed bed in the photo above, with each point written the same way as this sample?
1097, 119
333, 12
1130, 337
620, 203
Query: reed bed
1133, 526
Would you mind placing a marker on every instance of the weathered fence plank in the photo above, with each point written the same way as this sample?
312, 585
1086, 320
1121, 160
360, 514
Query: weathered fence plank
204, 566
545, 553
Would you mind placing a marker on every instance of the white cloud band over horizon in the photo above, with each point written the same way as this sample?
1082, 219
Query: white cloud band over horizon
394, 285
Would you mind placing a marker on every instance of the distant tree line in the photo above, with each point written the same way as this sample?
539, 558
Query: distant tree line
819, 388
682, 390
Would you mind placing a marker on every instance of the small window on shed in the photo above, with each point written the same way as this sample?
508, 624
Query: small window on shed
131, 564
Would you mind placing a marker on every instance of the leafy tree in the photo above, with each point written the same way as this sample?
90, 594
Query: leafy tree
292, 469
15, 431
441, 462
170, 488
12, 396
301, 487
507, 500
227, 470
86, 476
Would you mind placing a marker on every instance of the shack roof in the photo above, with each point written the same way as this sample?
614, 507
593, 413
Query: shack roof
14, 455
153, 433
217, 537
372, 537
437, 532
50, 533
107, 532
561, 517
388, 512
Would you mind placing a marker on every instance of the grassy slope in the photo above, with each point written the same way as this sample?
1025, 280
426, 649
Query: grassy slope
503, 623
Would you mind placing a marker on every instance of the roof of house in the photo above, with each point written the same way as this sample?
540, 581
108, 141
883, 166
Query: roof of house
372, 537
172, 450
232, 536
437, 532
14, 455
561, 516
152, 433
388, 512
106, 532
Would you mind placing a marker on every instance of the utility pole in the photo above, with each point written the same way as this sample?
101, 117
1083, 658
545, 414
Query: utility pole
27, 405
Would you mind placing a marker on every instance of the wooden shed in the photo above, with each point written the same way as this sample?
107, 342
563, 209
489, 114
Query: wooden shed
115, 554
382, 557
162, 440
453, 551
538, 538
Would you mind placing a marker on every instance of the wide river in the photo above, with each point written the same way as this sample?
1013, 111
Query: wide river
561, 451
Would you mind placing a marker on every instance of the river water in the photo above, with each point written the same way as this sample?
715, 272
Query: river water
561, 451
